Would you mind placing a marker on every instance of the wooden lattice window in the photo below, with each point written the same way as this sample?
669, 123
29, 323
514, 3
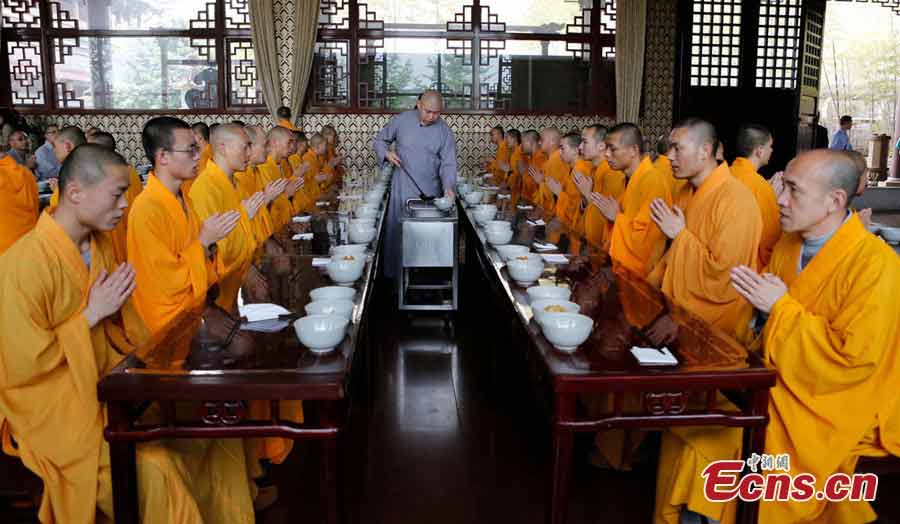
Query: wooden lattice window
715, 43
812, 56
131, 55
778, 44
478, 53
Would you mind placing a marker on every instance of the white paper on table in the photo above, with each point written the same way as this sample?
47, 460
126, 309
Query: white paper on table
257, 312
525, 207
501, 197
555, 259
302, 236
302, 219
538, 222
654, 357
321, 262
540, 246
491, 188
321, 203
266, 326
349, 197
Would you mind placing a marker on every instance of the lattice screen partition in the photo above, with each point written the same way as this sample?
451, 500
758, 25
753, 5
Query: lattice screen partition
778, 44
715, 43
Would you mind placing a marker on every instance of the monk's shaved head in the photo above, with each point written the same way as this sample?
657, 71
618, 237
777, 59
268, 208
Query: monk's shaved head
840, 170
431, 97
701, 132
316, 139
283, 112
750, 137
87, 165
552, 135
72, 134
281, 143
862, 167
255, 133
819, 186
572, 140
628, 135
662, 145
104, 139
226, 133
231, 148
279, 133
430, 106
201, 130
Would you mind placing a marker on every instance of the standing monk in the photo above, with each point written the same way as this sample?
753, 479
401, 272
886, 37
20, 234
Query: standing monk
173, 253
66, 323
635, 240
425, 152
284, 118
213, 192
603, 180
754, 149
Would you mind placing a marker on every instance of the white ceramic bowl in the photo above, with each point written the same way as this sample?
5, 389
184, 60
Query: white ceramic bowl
321, 333
372, 199
360, 234
538, 308
485, 207
356, 250
474, 197
891, 234
510, 251
482, 216
366, 212
567, 331
525, 272
499, 225
443, 203
332, 293
536, 293
343, 308
463, 188
366, 222
499, 237
346, 272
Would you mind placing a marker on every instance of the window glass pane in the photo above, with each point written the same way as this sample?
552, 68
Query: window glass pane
530, 75
393, 75
330, 82
536, 16
138, 73
242, 73
133, 14
413, 15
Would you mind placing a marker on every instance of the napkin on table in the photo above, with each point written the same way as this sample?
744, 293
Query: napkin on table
654, 357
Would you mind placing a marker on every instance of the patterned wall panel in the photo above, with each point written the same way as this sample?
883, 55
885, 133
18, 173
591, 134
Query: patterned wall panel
659, 66
284, 39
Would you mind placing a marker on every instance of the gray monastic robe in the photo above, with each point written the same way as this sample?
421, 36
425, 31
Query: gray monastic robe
428, 154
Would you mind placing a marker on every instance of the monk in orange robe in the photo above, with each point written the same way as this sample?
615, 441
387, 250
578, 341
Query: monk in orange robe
531, 157
67, 322
280, 144
680, 189
67, 139
754, 148
201, 135
172, 251
552, 175
513, 176
335, 160
569, 203
119, 234
635, 240
19, 201
251, 180
602, 180
284, 118
316, 167
213, 193
494, 165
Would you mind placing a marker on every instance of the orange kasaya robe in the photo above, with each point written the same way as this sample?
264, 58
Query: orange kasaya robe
172, 270
301, 202
211, 193
248, 183
281, 209
537, 160
312, 188
834, 342
19, 201
607, 182
514, 177
338, 170
287, 123
558, 170
501, 157
569, 202
50, 364
205, 157
744, 170
635, 240
680, 188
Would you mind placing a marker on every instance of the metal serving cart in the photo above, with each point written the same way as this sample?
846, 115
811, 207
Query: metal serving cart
429, 274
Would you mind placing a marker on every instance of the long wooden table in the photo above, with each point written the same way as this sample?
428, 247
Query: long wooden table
205, 391
711, 364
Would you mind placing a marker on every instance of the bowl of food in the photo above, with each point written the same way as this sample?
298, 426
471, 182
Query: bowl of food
443, 203
510, 251
525, 271
542, 308
891, 234
356, 250
360, 234
567, 331
342, 308
474, 197
536, 293
498, 225
321, 333
332, 293
498, 237
344, 272
483, 215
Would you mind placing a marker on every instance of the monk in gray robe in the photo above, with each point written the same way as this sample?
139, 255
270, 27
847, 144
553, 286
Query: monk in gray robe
425, 149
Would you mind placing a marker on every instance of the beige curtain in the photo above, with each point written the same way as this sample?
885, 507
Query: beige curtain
306, 21
631, 29
265, 51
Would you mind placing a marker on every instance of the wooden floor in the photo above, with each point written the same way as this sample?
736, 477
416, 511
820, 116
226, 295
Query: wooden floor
443, 436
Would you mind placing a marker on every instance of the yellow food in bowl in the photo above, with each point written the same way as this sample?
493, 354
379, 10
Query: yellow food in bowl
555, 308
522, 258
349, 257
